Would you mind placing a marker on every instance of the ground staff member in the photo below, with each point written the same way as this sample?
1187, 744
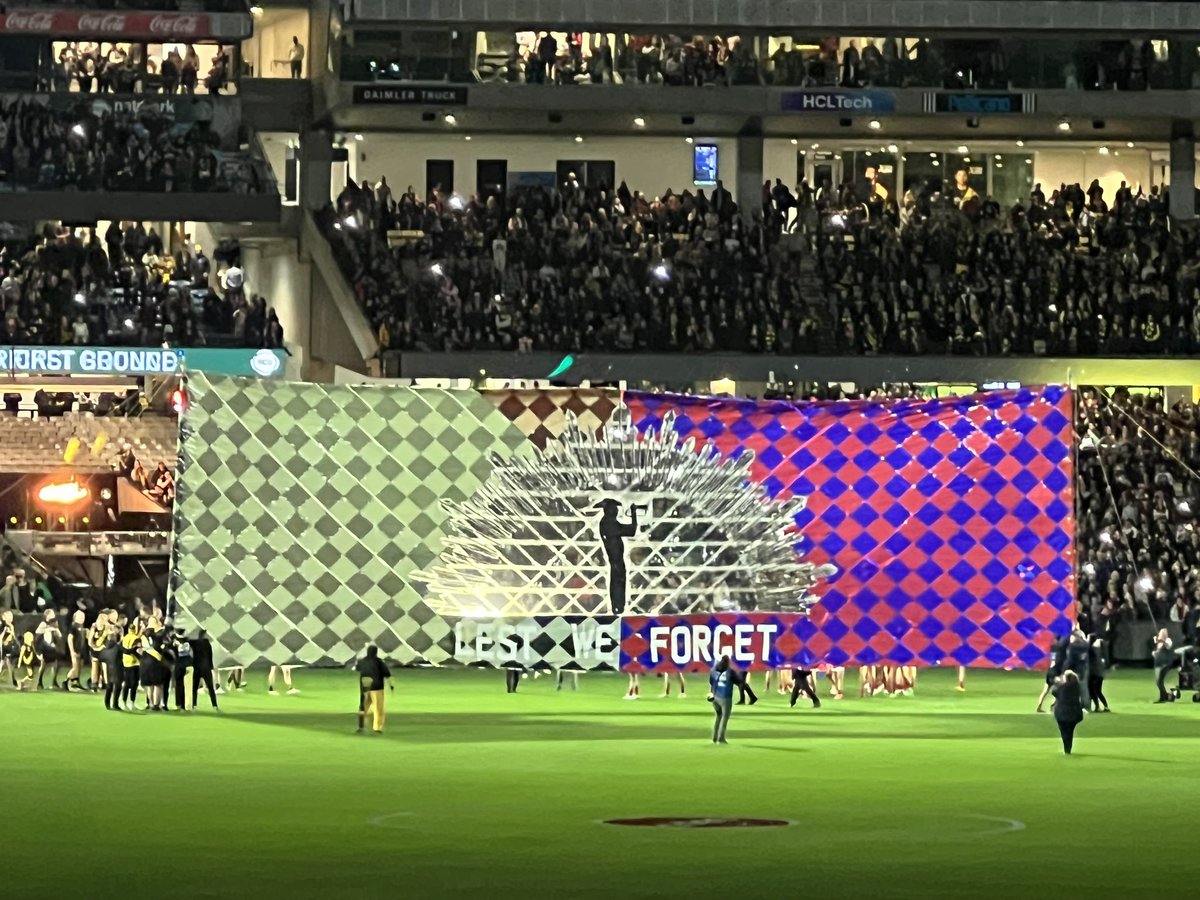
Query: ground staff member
721, 683
1068, 707
372, 674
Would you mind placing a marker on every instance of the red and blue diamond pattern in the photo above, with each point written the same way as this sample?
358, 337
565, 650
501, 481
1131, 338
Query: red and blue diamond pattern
950, 521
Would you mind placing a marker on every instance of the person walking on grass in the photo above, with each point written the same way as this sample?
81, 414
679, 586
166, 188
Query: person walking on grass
721, 683
1097, 669
1068, 707
373, 673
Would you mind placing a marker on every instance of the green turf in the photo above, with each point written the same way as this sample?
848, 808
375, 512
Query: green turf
474, 793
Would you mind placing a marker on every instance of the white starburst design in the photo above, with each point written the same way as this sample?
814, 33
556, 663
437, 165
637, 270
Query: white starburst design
529, 541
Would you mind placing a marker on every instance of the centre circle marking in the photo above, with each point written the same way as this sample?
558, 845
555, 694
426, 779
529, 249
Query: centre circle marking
698, 822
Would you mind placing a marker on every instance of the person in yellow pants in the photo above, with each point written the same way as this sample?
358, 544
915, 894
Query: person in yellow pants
373, 673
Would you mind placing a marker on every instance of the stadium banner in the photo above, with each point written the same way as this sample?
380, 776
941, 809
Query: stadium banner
556, 642
138, 361
979, 102
585, 529
752, 641
409, 95
948, 524
837, 101
119, 25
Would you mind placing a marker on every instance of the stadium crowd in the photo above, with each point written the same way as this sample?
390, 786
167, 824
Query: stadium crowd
124, 68
691, 60
1138, 532
123, 287
45, 148
844, 269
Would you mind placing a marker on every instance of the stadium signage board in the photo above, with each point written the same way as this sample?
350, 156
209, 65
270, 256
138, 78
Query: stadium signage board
979, 103
835, 101
136, 361
410, 95
108, 23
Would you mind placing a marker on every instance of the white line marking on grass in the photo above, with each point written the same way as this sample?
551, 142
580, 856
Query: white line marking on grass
387, 820
1009, 825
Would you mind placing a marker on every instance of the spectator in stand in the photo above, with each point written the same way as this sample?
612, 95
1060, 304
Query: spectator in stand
64, 288
296, 57
1139, 548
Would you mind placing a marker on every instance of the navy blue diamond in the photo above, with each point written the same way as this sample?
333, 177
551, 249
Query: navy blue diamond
836, 629
837, 432
994, 541
1026, 540
993, 482
864, 515
898, 458
834, 460
868, 433
1025, 511
961, 483
992, 455
929, 571
802, 487
805, 431
995, 571
833, 544
962, 571
931, 627
996, 654
897, 486
864, 543
865, 487
995, 599
895, 515
929, 457
896, 544
961, 600
993, 512
866, 459
867, 628
1024, 424
862, 571
928, 486
802, 459
1024, 481
899, 432
1059, 570
962, 428
1055, 451
896, 570
929, 543
1024, 453
1057, 510
961, 542
993, 427
961, 513
932, 430
770, 458
1058, 540
773, 430
834, 515
1029, 655
1056, 481
1028, 599
834, 488
964, 628
928, 514
997, 628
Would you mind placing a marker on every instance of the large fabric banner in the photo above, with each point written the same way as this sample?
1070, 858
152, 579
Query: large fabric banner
582, 530
949, 523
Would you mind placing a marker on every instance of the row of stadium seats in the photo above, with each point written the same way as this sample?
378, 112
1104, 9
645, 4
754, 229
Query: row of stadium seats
29, 445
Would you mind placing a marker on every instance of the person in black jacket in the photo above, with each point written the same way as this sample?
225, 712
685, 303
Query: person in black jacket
1057, 655
1097, 668
1076, 659
1165, 659
202, 667
1068, 707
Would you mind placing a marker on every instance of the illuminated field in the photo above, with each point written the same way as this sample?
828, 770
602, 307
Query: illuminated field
474, 793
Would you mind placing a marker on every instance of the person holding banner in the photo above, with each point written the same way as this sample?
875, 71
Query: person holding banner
372, 673
720, 693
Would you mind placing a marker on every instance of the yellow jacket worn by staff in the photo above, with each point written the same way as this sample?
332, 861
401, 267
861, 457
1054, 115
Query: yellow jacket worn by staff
129, 643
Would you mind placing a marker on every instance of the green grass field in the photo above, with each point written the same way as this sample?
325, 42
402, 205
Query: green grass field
475, 793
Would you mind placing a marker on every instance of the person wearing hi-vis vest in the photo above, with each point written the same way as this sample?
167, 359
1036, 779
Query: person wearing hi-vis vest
721, 682
372, 673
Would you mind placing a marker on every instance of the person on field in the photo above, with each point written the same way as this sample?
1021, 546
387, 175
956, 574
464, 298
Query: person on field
1165, 659
1068, 707
803, 683
373, 673
1058, 651
202, 667
1097, 669
721, 683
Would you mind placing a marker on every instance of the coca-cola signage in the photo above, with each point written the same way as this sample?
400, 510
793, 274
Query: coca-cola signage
163, 26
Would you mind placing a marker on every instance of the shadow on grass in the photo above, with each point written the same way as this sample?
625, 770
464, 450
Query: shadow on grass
520, 726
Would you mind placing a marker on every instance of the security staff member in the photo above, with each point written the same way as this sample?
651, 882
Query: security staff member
372, 674
720, 683
183, 662
130, 645
202, 667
